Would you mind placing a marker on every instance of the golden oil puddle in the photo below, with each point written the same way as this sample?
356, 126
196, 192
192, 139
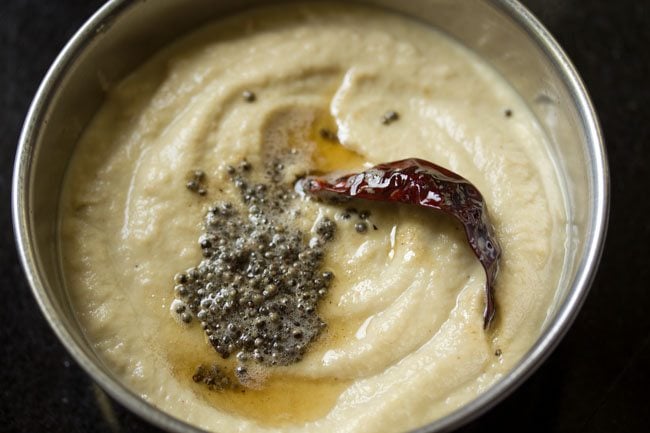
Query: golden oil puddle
329, 154
281, 400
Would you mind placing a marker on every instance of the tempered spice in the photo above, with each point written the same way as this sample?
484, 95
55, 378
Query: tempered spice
389, 117
256, 290
423, 183
196, 182
249, 96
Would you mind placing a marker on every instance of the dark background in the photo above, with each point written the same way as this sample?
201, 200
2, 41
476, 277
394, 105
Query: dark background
597, 380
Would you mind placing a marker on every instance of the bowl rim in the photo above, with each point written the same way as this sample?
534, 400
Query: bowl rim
542, 348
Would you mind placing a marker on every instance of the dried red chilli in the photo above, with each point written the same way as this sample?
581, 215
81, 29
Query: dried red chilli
420, 182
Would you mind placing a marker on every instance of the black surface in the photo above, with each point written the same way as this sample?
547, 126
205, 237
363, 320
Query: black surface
596, 381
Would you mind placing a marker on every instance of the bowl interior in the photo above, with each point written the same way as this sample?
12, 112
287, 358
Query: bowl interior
125, 33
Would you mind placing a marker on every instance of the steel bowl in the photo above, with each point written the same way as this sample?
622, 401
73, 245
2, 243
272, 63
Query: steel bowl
123, 33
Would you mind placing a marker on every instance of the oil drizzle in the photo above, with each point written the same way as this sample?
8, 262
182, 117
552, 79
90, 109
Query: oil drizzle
281, 400
329, 154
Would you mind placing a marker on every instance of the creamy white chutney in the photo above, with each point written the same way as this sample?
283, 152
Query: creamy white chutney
405, 342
